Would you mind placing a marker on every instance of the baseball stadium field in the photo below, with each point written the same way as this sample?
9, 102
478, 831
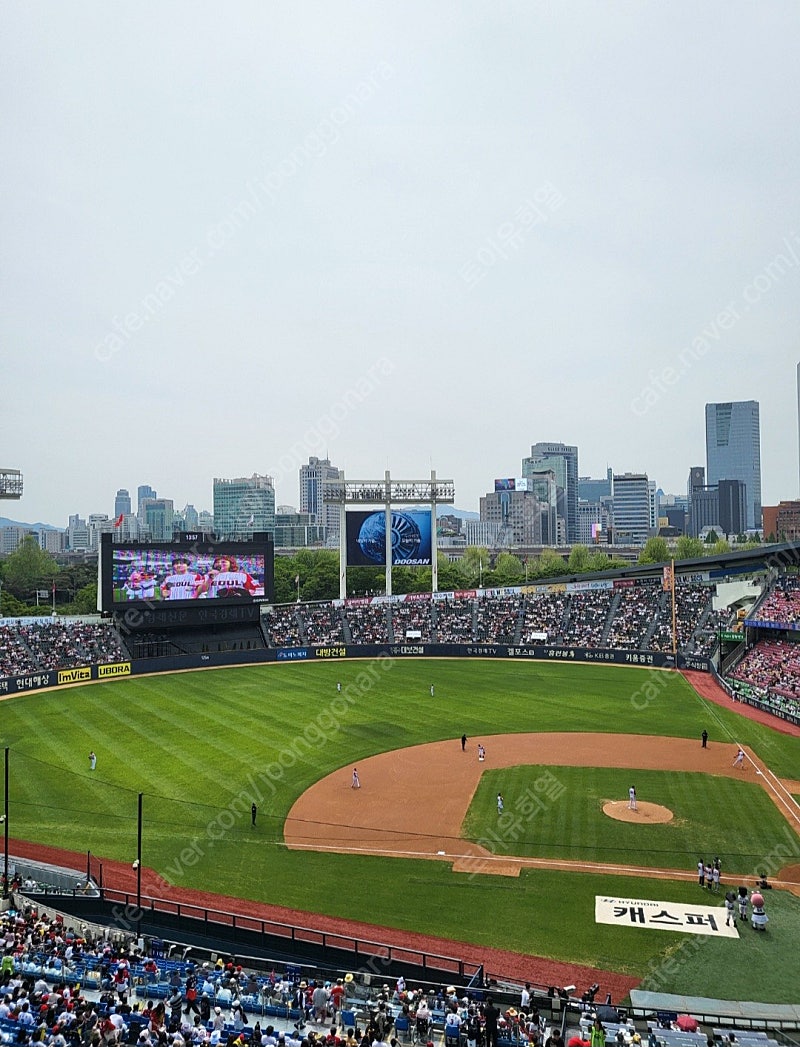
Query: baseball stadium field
421, 846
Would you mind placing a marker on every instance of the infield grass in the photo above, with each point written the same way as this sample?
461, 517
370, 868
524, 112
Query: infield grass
714, 816
200, 745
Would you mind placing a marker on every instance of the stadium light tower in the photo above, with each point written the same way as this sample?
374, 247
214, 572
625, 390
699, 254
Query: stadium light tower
10, 483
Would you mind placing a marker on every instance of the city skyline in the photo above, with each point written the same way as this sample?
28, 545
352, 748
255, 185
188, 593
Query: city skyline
395, 238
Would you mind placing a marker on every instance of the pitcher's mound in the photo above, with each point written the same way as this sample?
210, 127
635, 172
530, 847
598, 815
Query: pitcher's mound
647, 813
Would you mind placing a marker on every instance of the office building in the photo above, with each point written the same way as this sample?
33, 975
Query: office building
594, 489
312, 493
732, 495
518, 515
782, 521
78, 539
156, 518
295, 530
51, 540
631, 508
733, 450
243, 506
593, 519
696, 482
122, 503
145, 491
563, 460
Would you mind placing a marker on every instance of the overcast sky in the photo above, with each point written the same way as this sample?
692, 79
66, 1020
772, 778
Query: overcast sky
406, 236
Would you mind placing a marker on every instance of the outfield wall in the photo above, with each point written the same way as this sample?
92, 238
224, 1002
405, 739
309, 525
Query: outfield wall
336, 652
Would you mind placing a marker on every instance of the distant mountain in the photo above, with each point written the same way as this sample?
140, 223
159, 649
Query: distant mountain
5, 522
462, 514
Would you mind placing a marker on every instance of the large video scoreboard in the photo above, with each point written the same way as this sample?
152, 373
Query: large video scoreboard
185, 574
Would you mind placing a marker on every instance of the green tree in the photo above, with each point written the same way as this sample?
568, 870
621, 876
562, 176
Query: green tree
687, 548
319, 573
285, 571
549, 564
600, 561
719, 547
579, 560
449, 576
507, 570
28, 568
86, 599
473, 565
655, 550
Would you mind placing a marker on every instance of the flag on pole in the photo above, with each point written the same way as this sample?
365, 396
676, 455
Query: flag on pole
54, 590
668, 578
119, 519
297, 579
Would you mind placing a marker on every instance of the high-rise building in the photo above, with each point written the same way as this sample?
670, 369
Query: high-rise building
77, 535
563, 460
243, 505
631, 512
98, 523
145, 491
157, 518
733, 450
191, 518
312, 493
122, 503
732, 496
695, 484
518, 515
541, 481
592, 489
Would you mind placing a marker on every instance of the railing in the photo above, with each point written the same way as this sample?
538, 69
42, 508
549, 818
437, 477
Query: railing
364, 951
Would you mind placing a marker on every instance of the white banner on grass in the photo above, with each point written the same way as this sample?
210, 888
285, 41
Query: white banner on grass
664, 916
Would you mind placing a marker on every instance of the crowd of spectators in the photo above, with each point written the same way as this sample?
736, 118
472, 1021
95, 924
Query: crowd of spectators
322, 624
415, 618
588, 614
497, 619
633, 618
544, 613
454, 620
35, 646
15, 656
283, 627
68, 988
368, 623
782, 603
770, 671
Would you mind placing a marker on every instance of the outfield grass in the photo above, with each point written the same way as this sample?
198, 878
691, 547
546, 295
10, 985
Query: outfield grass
714, 816
196, 744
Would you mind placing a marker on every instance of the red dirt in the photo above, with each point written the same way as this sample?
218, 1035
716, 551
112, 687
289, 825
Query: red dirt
517, 967
707, 687
413, 801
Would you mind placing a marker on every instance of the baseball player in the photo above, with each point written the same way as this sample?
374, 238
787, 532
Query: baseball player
500, 803
739, 761
356, 783
632, 799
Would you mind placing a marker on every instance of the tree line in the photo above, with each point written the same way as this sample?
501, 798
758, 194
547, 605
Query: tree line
313, 574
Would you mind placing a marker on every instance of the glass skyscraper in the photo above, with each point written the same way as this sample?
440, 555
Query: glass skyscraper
733, 450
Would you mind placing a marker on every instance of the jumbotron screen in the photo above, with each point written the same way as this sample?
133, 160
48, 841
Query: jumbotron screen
180, 575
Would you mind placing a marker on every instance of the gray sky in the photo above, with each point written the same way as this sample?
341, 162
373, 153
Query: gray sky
408, 236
